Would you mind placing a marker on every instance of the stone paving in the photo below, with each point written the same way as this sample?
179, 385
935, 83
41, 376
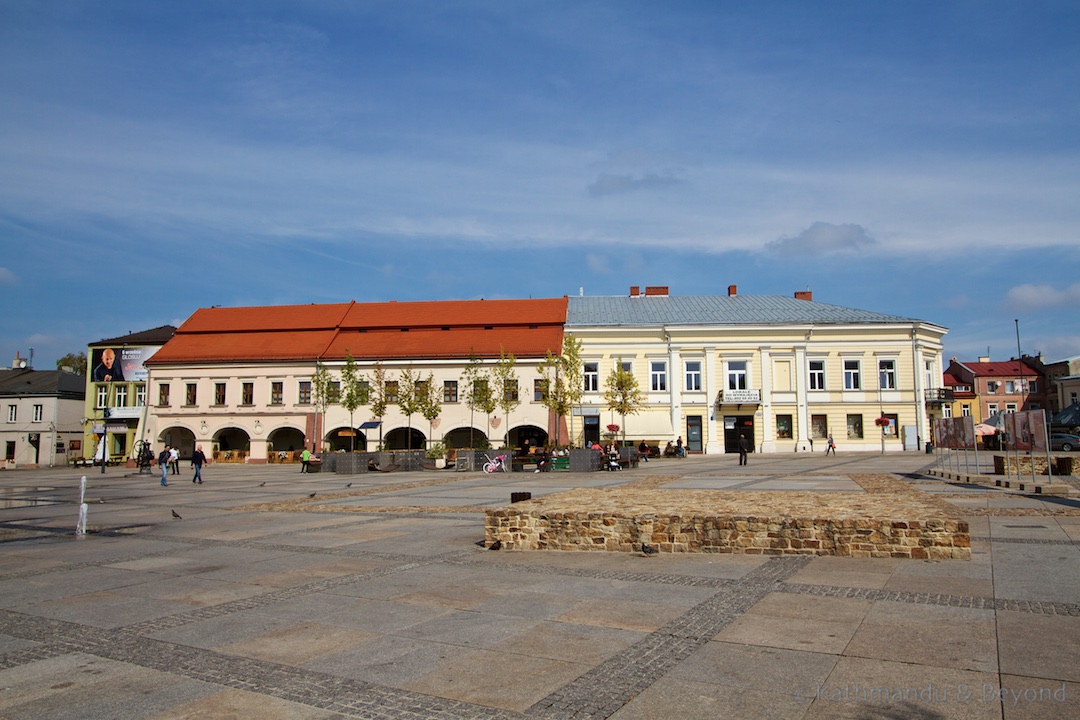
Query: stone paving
377, 600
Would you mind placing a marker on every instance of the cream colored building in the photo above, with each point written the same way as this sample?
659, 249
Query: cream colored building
784, 371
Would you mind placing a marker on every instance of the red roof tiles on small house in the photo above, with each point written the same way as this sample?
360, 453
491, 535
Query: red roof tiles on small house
392, 330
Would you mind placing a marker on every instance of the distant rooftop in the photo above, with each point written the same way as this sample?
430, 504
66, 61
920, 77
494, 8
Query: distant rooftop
154, 336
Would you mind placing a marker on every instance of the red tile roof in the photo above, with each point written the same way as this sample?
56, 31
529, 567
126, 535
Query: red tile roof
373, 331
1002, 368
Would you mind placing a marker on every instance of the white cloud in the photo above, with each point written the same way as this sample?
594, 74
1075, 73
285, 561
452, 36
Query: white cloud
6, 276
1036, 297
610, 184
823, 237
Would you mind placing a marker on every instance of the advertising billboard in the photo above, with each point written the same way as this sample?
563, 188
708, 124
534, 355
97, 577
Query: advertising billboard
121, 364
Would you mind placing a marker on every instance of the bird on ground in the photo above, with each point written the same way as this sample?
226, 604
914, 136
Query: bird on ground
648, 550
497, 545
262, 483
348, 485
176, 515
311, 495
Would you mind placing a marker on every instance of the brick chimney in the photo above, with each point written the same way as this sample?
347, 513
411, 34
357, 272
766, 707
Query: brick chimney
656, 289
732, 291
635, 290
804, 295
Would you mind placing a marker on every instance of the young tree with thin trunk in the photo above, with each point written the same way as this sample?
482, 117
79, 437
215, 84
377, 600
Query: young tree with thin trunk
470, 377
322, 393
409, 399
354, 393
378, 400
563, 378
622, 394
506, 386
430, 403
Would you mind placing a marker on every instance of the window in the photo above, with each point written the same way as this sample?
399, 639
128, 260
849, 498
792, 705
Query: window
38, 412
892, 428
736, 375
851, 376
658, 375
783, 427
854, 426
449, 391
121, 395
510, 391
965, 410
992, 386
1010, 407
991, 408
391, 392
886, 374
163, 394
1033, 386
219, 393
277, 393
1010, 387
592, 377
191, 397
539, 390
693, 375
13, 412
333, 392
102, 395
9, 450
140, 395
247, 394
931, 382
819, 426
303, 393
817, 374
946, 411
1072, 397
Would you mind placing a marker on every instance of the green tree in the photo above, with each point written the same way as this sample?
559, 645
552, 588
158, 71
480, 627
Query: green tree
430, 402
622, 394
409, 398
354, 393
378, 400
75, 361
470, 377
505, 378
563, 379
323, 392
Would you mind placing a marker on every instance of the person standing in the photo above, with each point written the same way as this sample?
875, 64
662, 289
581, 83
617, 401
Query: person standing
744, 449
643, 451
198, 458
163, 463
305, 459
830, 444
174, 460
680, 451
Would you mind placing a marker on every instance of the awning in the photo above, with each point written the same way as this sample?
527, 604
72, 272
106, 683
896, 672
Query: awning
1068, 416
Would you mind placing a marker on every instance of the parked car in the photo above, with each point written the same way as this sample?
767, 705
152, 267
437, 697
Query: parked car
1064, 441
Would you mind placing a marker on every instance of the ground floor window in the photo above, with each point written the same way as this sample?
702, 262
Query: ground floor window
9, 452
783, 427
854, 426
819, 426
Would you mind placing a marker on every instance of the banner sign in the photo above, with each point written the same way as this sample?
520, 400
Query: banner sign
121, 364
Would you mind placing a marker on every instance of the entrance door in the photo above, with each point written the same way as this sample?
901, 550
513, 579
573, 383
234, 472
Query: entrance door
693, 433
734, 426
592, 429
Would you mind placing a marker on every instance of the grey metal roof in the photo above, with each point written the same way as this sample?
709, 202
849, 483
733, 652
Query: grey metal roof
715, 310
47, 383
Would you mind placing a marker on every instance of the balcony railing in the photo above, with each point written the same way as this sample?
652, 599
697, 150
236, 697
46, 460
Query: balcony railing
939, 395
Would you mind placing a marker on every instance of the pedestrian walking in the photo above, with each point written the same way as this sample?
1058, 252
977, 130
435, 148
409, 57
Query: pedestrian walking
744, 449
305, 460
830, 445
163, 463
198, 458
174, 460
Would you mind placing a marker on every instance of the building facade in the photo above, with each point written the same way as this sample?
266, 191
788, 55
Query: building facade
783, 371
42, 416
116, 399
985, 388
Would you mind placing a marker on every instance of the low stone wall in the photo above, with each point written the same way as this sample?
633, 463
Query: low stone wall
804, 527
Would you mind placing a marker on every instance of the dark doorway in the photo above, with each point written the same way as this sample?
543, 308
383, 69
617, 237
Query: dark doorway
693, 433
734, 426
592, 429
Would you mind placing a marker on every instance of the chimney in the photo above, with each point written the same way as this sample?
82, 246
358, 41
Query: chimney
984, 358
656, 290
635, 291
732, 291
804, 295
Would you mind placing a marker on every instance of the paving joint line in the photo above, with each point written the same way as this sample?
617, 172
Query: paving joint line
974, 602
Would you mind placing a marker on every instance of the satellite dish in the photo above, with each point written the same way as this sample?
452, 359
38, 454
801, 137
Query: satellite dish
22, 364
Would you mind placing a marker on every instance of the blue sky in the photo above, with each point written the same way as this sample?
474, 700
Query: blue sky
915, 158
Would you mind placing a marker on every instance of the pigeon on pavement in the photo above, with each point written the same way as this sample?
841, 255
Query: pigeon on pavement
497, 545
176, 515
311, 495
648, 550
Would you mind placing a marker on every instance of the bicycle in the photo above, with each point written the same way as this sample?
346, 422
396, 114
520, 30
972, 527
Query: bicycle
498, 464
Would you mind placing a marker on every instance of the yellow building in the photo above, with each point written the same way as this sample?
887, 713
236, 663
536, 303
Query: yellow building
786, 372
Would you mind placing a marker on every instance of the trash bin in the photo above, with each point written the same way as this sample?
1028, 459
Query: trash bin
929, 448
